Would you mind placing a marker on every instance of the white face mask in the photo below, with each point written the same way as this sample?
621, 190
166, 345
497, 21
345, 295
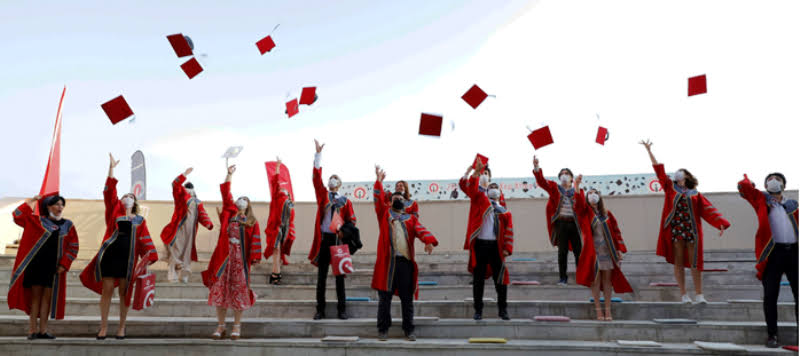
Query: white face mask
190, 191
241, 203
54, 216
593, 198
483, 180
127, 202
679, 176
774, 186
564, 178
494, 193
333, 183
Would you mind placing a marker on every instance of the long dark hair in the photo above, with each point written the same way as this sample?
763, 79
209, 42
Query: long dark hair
406, 194
690, 181
601, 205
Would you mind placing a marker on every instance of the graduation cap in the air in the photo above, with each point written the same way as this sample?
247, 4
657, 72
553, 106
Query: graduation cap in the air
475, 96
117, 109
602, 135
308, 96
540, 137
266, 44
181, 44
430, 125
292, 107
192, 68
697, 85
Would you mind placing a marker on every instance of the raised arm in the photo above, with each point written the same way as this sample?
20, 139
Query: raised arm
749, 192
711, 215
110, 198
319, 187
378, 198
469, 182
23, 214
178, 191
647, 145
225, 189
550, 187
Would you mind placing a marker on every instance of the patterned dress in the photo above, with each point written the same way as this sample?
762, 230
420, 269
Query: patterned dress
682, 222
601, 248
231, 291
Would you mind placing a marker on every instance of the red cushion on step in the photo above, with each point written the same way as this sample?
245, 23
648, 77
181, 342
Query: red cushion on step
525, 283
560, 318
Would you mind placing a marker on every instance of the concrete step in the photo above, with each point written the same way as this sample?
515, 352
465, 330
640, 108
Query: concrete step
367, 346
746, 332
364, 277
303, 309
571, 292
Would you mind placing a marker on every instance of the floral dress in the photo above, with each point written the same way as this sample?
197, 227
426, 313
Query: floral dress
231, 290
682, 222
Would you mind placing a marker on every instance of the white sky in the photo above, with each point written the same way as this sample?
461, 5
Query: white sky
377, 66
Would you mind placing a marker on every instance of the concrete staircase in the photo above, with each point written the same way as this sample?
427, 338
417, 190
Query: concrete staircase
181, 320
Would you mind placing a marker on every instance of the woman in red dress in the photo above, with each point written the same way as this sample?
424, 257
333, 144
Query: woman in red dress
599, 265
280, 226
228, 273
680, 238
48, 246
126, 240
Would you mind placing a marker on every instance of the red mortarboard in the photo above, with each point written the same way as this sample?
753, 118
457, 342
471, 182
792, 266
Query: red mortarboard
265, 45
180, 45
430, 125
117, 109
474, 96
308, 96
192, 68
292, 108
697, 85
482, 158
602, 135
540, 137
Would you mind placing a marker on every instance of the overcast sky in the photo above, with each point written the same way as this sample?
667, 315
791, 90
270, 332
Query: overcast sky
377, 66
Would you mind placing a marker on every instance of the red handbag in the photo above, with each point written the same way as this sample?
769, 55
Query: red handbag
341, 262
144, 287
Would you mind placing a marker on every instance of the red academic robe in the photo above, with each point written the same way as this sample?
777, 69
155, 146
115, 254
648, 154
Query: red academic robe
181, 199
250, 243
554, 191
341, 205
764, 242
479, 207
36, 231
383, 273
141, 244
280, 208
588, 265
699, 207
412, 207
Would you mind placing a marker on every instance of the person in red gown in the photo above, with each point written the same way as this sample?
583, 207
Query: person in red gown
680, 237
228, 273
329, 203
125, 241
46, 250
395, 269
280, 226
489, 239
775, 242
180, 234
411, 206
562, 226
599, 267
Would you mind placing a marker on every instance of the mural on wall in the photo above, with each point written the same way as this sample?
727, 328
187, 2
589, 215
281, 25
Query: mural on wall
424, 190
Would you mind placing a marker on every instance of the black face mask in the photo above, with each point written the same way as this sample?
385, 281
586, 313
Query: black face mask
398, 204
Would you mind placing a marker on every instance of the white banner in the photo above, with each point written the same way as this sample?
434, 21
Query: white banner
422, 190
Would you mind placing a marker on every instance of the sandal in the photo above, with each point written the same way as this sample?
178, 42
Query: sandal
275, 279
608, 315
235, 335
217, 335
599, 312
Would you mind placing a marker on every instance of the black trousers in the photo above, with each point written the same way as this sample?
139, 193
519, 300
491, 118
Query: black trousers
403, 283
323, 264
782, 259
486, 252
567, 232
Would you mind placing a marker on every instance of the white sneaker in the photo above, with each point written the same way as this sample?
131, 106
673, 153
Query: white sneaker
685, 299
699, 299
185, 279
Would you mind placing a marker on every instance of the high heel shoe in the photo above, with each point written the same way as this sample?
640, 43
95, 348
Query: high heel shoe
121, 337
599, 312
275, 279
235, 335
217, 335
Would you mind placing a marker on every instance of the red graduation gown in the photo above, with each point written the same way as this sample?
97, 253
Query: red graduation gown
250, 244
699, 207
764, 243
588, 265
141, 244
36, 231
343, 207
479, 207
279, 208
383, 273
412, 208
181, 199
554, 191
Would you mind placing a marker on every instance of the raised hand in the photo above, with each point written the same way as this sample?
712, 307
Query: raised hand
380, 174
36, 197
646, 143
278, 163
578, 181
478, 165
318, 146
429, 248
113, 162
231, 169
535, 162
188, 171
469, 170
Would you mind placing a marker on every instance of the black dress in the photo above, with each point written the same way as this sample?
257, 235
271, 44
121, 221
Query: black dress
42, 269
115, 259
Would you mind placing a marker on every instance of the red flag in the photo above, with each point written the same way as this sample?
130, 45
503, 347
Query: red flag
50, 183
283, 179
